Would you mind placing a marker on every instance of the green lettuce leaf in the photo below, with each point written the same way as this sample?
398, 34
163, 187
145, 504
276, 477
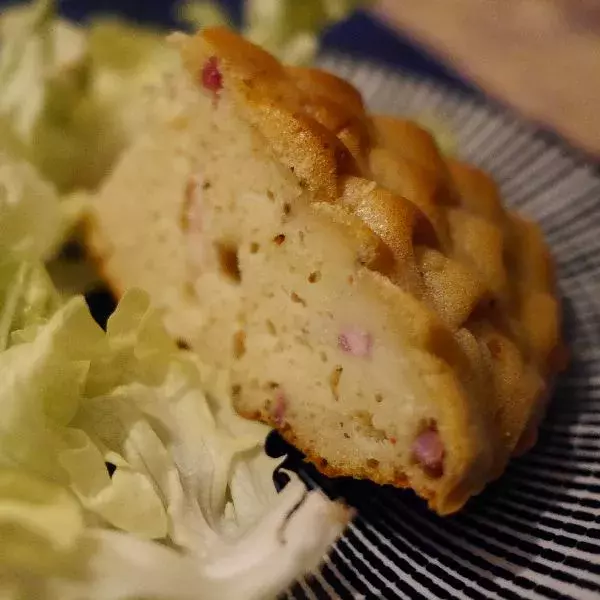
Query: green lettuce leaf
47, 116
32, 219
202, 13
191, 504
72, 97
289, 29
27, 298
41, 525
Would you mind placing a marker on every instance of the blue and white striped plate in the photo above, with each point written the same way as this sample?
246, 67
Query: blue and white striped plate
536, 532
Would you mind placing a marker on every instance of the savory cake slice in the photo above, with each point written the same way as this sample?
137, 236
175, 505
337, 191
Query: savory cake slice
372, 300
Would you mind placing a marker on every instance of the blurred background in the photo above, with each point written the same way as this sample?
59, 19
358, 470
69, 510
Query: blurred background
540, 57
360, 34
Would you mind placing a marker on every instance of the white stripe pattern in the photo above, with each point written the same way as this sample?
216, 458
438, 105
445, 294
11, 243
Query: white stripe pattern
535, 534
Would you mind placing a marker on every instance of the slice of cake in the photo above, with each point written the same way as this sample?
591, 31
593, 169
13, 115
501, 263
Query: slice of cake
372, 300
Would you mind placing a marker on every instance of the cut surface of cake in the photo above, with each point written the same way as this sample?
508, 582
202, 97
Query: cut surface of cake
371, 299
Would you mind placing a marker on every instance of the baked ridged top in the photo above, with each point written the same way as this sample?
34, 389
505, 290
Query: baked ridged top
434, 226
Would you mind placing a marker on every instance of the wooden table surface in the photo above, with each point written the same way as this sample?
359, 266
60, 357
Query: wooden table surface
540, 56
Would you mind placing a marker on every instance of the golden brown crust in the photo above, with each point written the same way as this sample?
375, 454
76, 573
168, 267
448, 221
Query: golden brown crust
475, 281
317, 84
279, 110
477, 191
408, 140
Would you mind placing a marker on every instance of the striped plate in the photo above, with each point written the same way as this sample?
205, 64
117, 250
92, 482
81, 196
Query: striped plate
536, 532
